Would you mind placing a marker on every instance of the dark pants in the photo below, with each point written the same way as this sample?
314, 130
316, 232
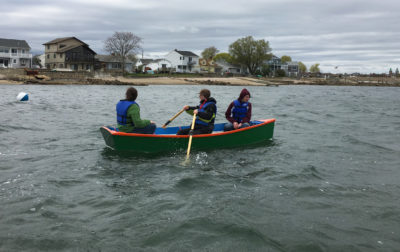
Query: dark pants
229, 126
149, 129
198, 129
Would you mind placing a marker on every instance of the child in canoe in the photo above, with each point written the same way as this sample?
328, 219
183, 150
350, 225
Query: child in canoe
205, 111
239, 112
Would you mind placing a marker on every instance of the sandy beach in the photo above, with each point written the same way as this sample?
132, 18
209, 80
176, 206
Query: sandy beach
223, 81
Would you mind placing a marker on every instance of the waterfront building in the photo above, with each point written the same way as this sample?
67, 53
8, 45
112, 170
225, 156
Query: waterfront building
291, 68
183, 61
209, 66
113, 63
15, 54
70, 53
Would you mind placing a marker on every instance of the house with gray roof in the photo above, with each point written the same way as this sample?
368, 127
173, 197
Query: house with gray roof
291, 68
228, 68
113, 63
183, 61
70, 53
15, 53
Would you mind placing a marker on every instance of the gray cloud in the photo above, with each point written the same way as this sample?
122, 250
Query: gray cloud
357, 36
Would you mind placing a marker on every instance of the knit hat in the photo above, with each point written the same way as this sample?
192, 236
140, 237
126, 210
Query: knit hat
243, 94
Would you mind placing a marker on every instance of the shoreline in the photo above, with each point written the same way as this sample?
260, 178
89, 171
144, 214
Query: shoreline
222, 81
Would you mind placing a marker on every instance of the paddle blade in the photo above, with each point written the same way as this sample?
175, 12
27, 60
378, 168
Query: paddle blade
190, 137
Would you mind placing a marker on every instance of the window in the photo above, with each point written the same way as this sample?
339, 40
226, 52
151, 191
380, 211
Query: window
54, 56
48, 47
61, 66
48, 56
61, 45
190, 58
61, 55
87, 67
14, 51
15, 61
116, 65
23, 50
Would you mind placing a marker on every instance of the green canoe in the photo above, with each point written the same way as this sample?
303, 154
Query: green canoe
166, 140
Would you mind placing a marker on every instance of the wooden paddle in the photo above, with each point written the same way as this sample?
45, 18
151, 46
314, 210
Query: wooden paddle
190, 138
170, 120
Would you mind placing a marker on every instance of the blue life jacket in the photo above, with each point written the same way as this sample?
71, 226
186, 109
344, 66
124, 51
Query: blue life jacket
239, 110
122, 109
202, 121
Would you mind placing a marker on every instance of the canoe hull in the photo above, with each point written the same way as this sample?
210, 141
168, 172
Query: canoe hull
168, 143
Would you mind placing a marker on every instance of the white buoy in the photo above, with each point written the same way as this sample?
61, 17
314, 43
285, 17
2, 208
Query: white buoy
22, 96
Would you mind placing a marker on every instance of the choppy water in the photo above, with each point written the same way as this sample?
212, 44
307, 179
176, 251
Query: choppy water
328, 181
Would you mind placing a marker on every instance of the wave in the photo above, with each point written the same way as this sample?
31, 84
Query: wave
353, 140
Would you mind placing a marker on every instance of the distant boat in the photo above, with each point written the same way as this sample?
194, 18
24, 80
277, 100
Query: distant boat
166, 140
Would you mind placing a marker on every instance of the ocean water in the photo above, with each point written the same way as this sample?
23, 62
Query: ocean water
328, 181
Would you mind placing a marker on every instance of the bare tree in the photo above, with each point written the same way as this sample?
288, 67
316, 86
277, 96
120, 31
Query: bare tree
122, 44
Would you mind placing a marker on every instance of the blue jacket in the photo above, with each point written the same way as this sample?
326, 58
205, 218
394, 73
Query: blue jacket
207, 110
203, 109
239, 110
122, 109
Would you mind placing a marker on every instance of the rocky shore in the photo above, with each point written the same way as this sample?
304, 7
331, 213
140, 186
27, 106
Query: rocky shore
224, 81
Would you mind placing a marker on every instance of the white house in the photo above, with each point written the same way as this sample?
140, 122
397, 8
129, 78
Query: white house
157, 65
143, 62
229, 68
160, 65
183, 61
15, 53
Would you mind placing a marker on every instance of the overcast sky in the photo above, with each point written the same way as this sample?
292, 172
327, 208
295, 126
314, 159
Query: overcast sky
354, 36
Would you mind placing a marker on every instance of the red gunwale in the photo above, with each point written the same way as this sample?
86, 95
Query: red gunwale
116, 133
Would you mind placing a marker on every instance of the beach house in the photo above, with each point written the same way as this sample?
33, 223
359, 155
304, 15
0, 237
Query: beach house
70, 53
15, 54
113, 63
183, 61
154, 65
227, 68
291, 68
209, 66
